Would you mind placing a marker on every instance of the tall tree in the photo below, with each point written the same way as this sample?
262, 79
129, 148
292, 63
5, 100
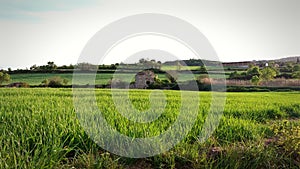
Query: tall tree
253, 71
51, 65
268, 73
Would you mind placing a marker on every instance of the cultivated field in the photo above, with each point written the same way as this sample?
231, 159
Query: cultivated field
103, 78
39, 129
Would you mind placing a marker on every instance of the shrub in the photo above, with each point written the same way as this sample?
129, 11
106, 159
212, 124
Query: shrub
296, 75
54, 82
19, 84
255, 80
4, 77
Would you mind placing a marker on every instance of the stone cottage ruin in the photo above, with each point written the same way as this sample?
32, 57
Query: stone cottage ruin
143, 79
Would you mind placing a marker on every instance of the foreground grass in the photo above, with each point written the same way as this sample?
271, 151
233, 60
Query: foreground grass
39, 129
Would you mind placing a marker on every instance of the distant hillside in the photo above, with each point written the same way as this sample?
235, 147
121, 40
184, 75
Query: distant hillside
192, 62
198, 62
288, 59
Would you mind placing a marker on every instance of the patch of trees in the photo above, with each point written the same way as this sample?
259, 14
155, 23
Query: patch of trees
296, 75
51, 67
169, 83
149, 64
291, 70
70, 67
202, 83
48, 66
81, 66
111, 67
193, 62
296, 71
255, 74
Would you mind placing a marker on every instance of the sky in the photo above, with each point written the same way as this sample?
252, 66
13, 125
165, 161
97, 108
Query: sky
35, 32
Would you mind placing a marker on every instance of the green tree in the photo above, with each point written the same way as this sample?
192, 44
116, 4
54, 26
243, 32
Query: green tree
234, 75
33, 67
255, 80
253, 71
51, 66
4, 77
288, 67
296, 75
268, 73
203, 69
296, 68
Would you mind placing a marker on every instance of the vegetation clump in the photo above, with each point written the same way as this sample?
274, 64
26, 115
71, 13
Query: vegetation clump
19, 85
55, 82
4, 77
287, 139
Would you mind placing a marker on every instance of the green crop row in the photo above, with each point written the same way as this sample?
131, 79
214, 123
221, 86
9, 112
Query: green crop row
39, 128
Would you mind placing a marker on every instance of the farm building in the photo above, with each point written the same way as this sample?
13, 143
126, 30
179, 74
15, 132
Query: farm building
143, 79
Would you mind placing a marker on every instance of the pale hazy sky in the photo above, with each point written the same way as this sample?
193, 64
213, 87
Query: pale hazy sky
35, 32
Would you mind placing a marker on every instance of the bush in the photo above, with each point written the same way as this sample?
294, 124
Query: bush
255, 80
4, 77
55, 82
19, 84
157, 85
296, 75
239, 76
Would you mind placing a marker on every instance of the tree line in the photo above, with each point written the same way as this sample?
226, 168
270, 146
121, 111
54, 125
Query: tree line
267, 73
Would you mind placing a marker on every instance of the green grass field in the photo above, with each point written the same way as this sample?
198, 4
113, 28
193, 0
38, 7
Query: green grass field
37, 78
181, 67
103, 78
39, 129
